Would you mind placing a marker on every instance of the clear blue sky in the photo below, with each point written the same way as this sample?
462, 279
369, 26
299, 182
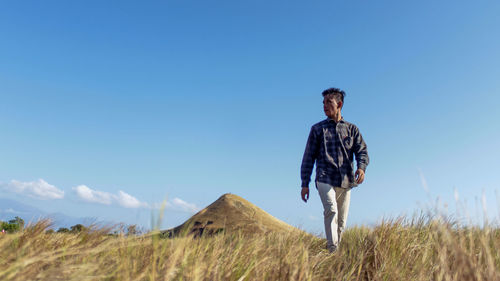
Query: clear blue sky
187, 100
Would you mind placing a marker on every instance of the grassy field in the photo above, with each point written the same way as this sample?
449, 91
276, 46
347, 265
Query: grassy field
400, 249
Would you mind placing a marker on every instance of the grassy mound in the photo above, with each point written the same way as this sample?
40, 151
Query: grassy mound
230, 214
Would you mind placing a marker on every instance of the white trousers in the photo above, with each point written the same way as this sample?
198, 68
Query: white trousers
336, 206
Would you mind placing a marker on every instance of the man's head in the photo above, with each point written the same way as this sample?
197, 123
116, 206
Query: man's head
333, 100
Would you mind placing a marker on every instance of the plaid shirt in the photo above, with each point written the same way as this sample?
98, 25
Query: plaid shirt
332, 145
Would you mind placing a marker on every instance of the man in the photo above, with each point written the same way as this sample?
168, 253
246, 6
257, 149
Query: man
331, 145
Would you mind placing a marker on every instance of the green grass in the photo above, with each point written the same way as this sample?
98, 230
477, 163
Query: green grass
420, 248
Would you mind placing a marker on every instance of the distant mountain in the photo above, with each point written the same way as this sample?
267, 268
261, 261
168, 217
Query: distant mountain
230, 213
10, 208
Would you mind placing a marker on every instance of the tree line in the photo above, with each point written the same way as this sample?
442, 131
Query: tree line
13, 225
17, 224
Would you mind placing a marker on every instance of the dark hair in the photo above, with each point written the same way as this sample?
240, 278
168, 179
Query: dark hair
336, 92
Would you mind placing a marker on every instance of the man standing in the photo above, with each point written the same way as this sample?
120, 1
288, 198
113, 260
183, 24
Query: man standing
331, 145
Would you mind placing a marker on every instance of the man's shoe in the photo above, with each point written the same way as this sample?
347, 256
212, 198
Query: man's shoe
332, 249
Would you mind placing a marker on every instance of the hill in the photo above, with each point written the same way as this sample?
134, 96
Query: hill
12, 208
230, 213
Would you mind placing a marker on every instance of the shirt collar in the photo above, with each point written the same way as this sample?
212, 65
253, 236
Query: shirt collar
331, 120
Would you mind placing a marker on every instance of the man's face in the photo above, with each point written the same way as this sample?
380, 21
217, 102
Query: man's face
331, 106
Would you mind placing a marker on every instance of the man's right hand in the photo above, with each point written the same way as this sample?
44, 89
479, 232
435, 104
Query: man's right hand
305, 194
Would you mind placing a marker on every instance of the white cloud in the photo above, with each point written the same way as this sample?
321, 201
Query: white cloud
39, 189
101, 197
178, 205
185, 206
93, 196
128, 201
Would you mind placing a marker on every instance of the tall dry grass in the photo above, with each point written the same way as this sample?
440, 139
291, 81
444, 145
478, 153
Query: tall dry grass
399, 249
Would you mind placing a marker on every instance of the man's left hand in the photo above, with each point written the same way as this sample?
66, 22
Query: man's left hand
304, 193
360, 176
